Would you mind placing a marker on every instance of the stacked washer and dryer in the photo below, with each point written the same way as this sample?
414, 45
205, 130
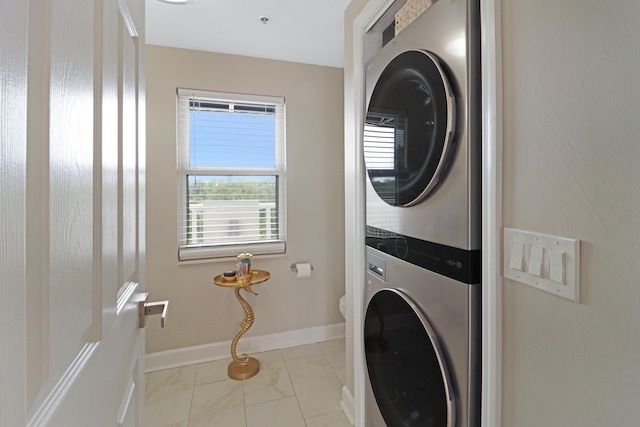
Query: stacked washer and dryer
422, 150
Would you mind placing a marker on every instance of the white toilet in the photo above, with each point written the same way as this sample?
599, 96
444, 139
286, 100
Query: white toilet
343, 305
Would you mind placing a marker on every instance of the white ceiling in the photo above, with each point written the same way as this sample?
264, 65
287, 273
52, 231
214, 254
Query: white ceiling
307, 31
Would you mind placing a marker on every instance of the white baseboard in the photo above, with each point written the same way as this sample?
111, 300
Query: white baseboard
221, 350
347, 404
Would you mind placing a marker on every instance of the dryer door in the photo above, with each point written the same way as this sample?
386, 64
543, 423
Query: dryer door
407, 369
409, 128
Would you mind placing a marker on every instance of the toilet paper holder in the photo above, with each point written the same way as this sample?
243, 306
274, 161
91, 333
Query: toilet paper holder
294, 268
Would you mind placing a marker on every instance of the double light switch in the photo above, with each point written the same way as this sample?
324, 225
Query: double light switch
549, 263
535, 261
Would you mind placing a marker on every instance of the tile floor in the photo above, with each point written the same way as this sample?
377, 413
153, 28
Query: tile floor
296, 387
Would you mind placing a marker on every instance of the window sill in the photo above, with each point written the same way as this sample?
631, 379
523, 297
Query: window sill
227, 259
199, 255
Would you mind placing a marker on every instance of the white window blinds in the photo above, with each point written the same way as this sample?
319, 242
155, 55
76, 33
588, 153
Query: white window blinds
231, 174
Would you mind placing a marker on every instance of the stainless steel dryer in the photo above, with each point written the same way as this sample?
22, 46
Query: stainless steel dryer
422, 130
423, 158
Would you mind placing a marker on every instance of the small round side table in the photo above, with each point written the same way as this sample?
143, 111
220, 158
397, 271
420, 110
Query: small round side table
244, 367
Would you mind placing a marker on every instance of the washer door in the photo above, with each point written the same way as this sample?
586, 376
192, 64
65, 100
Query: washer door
409, 127
407, 369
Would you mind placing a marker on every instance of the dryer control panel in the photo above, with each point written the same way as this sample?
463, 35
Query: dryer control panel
459, 264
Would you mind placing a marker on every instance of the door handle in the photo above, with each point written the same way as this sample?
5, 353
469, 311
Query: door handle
151, 308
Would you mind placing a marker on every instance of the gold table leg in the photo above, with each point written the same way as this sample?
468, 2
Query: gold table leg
245, 367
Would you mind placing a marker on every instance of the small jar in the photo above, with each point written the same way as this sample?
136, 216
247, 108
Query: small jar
241, 268
245, 260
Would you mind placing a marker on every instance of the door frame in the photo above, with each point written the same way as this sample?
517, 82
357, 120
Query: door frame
14, 18
491, 41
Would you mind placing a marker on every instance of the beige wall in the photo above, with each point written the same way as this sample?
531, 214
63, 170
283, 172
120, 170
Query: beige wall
200, 312
572, 168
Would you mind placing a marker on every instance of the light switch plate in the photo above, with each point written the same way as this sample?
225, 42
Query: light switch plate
568, 271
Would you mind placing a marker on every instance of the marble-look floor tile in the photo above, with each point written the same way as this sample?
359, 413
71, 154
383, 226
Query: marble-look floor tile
168, 396
278, 413
340, 373
334, 351
334, 419
211, 372
298, 351
317, 387
294, 385
218, 404
268, 356
182, 424
270, 383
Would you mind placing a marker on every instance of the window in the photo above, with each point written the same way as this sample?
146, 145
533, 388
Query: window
231, 174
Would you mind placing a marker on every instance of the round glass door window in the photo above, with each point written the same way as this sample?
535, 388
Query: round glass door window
407, 370
409, 128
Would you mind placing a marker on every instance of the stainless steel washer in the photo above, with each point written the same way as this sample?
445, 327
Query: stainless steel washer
422, 346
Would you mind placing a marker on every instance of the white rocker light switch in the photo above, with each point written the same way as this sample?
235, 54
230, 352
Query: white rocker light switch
517, 255
535, 260
556, 266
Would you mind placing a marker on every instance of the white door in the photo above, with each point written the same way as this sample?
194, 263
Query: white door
72, 213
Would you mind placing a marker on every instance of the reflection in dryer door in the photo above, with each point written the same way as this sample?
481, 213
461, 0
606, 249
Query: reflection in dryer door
409, 128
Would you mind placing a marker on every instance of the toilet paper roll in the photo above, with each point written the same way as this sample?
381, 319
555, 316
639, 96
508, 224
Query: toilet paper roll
304, 270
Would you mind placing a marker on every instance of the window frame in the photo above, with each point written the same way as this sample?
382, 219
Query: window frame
185, 170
